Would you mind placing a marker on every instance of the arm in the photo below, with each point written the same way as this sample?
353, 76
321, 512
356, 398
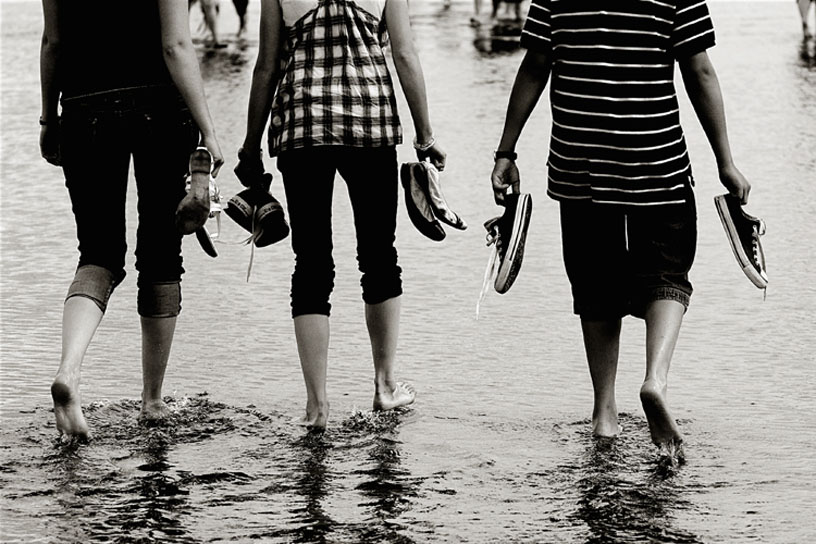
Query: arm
703, 89
182, 63
265, 73
49, 60
250, 169
531, 80
412, 81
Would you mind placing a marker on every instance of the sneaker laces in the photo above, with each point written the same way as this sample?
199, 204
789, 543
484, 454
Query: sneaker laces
215, 212
759, 260
493, 238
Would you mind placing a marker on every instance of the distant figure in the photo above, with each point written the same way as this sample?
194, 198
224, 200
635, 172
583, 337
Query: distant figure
619, 168
211, 10
127, 77
804, 11
344, 120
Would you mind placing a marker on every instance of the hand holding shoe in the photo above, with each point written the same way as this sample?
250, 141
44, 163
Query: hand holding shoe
250, 170
505, 175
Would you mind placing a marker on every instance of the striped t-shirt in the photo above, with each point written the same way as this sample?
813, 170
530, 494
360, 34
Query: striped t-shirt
616, 135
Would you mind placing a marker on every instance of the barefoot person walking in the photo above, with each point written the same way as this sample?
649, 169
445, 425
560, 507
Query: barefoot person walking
128, 81
619, 167
333, 109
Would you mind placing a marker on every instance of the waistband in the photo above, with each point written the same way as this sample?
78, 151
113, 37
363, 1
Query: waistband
127, 99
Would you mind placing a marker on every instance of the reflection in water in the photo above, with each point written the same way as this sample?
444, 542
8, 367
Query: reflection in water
627, 498
388, 487
99, 501
312, 481
496, 36
807, 53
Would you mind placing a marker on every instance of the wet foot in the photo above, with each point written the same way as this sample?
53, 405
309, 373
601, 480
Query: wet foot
662, 426
316, 417
194, 209
605, 425
68, 410
402, 395
154, 410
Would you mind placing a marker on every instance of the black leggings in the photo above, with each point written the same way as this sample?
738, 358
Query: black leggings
371, 177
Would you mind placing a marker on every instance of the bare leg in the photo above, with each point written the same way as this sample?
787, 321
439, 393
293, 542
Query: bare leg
157, 338
80, 319
602, 345
210, 9
312, 336
383, 330
663, 320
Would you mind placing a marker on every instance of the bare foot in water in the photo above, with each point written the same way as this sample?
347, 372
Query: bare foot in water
155, 410
68, 410
605, 425
402, 395
317, 415
662, 426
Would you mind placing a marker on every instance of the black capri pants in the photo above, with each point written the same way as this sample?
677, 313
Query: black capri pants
371, 176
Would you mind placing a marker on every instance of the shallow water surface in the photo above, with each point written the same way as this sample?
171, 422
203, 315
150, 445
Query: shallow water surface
497, 447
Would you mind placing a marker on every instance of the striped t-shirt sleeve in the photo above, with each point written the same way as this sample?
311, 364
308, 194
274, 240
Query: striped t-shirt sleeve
693, 31
536, 32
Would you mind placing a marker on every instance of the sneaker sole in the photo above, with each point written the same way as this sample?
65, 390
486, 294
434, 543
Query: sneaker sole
736, 246
511, 265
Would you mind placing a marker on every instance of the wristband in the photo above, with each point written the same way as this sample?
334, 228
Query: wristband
424, 147
44, 123
509, 155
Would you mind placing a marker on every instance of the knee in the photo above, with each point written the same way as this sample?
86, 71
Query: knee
95, 283
159, 299
312, 285
381, 283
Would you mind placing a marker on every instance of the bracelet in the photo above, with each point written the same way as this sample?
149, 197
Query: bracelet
424, 147
44, 123
509, 155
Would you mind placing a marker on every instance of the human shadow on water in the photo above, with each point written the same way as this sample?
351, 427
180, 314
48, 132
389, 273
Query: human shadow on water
627, 493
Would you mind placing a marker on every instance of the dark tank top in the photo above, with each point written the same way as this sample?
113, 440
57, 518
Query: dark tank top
110, 44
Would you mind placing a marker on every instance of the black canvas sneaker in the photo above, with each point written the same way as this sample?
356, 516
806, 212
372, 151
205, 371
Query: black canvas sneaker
743, 233
510, 233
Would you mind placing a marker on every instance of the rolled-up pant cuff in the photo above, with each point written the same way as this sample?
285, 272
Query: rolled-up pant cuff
95, 283
159, 299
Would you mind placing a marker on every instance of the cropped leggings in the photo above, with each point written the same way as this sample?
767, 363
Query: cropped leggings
99, 135
371, 177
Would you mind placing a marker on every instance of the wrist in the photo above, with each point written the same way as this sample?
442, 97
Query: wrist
425, 145
249, 154
49, 120
505, 154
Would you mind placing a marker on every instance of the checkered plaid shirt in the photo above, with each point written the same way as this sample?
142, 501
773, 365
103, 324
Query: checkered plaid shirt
335, 88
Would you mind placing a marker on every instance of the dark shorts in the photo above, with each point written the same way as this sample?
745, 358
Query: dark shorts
619, 260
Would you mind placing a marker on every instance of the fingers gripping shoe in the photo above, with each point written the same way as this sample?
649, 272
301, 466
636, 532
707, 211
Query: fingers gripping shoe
194, 209
743, 233
254, 208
